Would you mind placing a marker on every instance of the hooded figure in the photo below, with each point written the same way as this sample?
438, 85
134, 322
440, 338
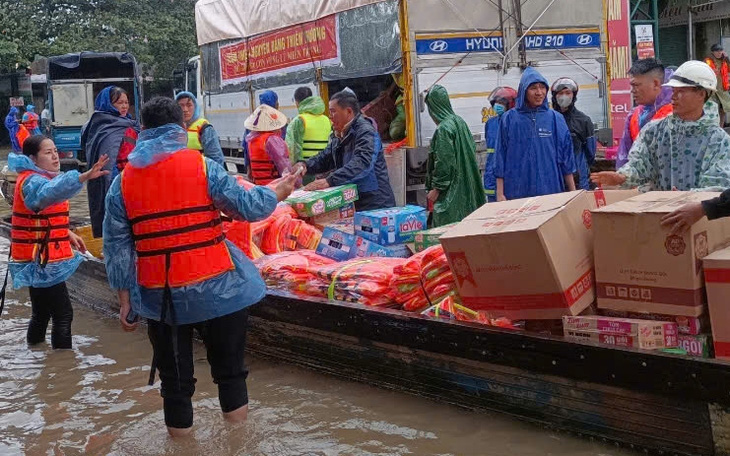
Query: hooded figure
534, 149
106, 133
452, 167
268, 98
645, 114
313, 122
502, 100
565, 94
31, 120
13, 126
201, 134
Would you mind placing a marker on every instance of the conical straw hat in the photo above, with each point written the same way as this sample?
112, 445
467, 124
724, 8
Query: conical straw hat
265, 118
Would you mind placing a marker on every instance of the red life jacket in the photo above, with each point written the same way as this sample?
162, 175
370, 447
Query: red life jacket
38, 236
635, 128
175, 226
723, 74
128, 142
263, 169
32, 122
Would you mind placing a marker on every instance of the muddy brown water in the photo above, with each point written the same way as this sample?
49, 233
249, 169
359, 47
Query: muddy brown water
94, 400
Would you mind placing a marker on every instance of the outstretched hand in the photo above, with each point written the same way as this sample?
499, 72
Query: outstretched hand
97, 170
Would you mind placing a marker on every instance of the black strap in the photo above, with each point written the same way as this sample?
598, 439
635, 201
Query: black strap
187, 229
40, 216
39, 241
184, 211
181, 248
5, 286
40, 228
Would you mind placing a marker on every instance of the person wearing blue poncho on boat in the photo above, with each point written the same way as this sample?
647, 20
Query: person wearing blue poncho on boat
41, 243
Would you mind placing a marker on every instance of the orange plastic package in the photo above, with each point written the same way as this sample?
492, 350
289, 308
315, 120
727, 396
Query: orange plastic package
423, 280
289, 270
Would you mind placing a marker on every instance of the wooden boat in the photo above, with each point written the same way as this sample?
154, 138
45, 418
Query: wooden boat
657, 402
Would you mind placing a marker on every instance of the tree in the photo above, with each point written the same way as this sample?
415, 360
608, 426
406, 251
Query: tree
159, 33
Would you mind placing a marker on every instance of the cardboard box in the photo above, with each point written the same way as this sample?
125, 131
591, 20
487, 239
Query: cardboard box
337, 243
365, 249
525, 259
397, 225
623, 326
640, 267
645, 341
717, 278
427, 238
309, 204
346, 212
698, 345
691, 326
603, 198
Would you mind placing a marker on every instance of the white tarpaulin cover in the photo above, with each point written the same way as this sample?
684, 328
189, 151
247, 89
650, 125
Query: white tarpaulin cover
217, 20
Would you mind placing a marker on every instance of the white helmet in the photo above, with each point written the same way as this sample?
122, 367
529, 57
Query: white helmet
693, 74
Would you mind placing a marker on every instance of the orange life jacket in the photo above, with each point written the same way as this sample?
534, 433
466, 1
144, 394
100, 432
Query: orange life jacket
175, 227
263, 169
38, 236
635, 128
724, 72
32, 122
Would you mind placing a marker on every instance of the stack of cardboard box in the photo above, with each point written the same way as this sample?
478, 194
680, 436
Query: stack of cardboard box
644, 271
380, 233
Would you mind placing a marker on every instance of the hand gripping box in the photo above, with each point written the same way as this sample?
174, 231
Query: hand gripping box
525, 259
640, 267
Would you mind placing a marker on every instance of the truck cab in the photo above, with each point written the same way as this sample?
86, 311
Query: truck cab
74, 81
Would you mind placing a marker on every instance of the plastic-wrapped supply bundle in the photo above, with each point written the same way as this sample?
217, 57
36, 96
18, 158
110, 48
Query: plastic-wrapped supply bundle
423, 280
364, 281
288, 270
451, 309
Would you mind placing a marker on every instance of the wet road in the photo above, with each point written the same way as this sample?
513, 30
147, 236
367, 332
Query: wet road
94, 400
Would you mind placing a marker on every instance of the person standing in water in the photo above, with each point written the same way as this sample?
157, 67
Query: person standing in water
41, 255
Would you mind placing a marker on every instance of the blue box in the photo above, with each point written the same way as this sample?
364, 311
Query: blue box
337, 244
364, 249
397, 225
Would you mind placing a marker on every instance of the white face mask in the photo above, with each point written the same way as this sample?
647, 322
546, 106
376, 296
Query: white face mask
564, 100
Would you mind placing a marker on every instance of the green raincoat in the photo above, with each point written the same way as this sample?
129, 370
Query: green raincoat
295, 130
452, 164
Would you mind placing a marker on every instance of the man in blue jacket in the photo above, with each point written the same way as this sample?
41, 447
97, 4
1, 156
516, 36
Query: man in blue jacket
354, 155
534, 149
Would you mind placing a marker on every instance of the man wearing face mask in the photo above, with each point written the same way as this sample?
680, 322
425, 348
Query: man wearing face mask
653, 102
502, 100
565, 94
534, 149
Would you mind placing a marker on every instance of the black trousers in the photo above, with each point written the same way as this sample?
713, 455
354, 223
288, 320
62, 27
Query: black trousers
51, 303
225, 340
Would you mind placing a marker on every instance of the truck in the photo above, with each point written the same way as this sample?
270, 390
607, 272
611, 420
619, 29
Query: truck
73, 82
383, 49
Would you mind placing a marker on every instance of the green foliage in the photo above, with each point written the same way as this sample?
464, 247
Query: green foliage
160, 33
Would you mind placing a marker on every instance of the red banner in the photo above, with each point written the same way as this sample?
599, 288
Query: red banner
619, 49
289, 48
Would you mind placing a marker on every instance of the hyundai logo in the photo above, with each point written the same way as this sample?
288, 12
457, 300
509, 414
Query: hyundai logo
585, 40
438, 46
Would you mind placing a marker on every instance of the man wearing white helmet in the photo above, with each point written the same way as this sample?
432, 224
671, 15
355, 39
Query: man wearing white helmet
685, 151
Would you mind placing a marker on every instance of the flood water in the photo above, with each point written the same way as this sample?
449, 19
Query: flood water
94, 399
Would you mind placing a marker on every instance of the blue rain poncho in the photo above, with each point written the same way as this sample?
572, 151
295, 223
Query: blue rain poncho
491, 131
221, 295
534, 146
102, 135
12, 125
671, 153
39, 193
209, 138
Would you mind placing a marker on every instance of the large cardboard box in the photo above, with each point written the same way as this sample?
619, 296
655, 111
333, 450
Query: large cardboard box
603, 198
309, 204
525, 259
640, 267
717, 278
